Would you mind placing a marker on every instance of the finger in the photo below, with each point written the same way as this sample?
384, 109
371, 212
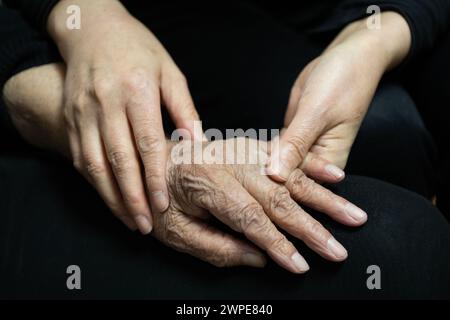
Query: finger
144, 113
95, 168
123, 160
178, 101
211, 245
321, 170
286, 213
317, 197
291, 149
230, 202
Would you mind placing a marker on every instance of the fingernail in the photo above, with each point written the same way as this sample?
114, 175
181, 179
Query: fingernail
143, 224
337, 249
355, 213
160, 200
253, 260
129, 223
335, 171
300, 264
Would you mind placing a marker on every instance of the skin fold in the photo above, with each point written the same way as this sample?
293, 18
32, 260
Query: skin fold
238, 195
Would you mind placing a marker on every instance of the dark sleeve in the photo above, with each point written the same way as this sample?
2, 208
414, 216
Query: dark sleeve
427, 19
21, 46
35, 11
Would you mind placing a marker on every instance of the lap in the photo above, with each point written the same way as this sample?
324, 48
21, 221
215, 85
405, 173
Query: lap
240, 74
53, 219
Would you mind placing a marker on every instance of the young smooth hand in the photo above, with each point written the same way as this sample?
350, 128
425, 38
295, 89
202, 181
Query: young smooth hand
118, 76
331, 97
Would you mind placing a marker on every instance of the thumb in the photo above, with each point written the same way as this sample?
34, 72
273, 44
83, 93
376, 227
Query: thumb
289, 151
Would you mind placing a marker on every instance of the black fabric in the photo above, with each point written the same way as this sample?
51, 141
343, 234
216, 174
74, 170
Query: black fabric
45, 228
240, 72
428, 82
35, 11
428, 19
21, 46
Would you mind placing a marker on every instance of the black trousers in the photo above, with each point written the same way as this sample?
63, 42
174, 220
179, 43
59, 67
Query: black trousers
241, 64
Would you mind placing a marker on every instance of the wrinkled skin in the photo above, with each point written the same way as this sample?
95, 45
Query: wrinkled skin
239, 195
250, 203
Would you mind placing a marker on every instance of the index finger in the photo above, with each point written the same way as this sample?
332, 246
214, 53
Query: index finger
226, 199
144, 113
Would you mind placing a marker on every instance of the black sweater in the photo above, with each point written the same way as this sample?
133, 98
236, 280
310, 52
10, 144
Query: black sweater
23, 42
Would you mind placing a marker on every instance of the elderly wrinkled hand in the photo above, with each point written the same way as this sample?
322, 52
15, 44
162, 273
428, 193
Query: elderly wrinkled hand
247, 201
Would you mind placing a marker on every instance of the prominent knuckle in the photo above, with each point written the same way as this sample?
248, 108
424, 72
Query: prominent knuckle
153, 174
79, 103
279, 244
296, 180
174, 234
300, 185
148, 143
220, 260
313, 228
103, 87
279, 199
136, 79
196, 186
94, 167
120, 161
251, 217
133, 198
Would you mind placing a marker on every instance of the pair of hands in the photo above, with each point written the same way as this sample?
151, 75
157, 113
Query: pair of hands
118, 76
238, 195
109, 123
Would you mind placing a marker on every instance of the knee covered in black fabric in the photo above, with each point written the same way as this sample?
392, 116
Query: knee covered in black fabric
405, 236
393, 143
